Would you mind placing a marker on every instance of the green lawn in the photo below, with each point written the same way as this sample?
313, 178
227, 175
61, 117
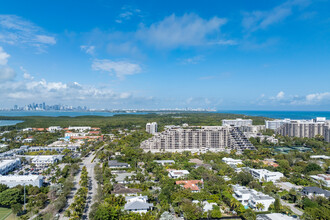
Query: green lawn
4, 213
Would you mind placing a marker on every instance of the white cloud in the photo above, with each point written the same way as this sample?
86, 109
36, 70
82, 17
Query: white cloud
45, 39
58, 92
15, 30
187, 30
3, 57
192, 60
256, 20
280, 95
317, 97
119, 68
320, 99
6, 73
127, 13
88, 49
224, 42
26, 75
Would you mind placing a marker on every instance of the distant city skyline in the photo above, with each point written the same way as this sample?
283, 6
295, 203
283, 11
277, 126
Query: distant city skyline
45, 107
224, 55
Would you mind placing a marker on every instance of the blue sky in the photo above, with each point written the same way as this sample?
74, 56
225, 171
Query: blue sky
227, 55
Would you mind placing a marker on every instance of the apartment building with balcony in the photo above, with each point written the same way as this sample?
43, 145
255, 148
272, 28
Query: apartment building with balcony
212, 138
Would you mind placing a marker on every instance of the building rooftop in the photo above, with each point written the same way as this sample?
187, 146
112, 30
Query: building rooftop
116, 163
316, 190
190, 184
274, 216
121, 189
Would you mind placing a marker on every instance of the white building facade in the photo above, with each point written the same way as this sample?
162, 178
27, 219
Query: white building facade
15, 180
238, 122
265, 175
152, 127
275, 124
9, 165
250, 198
231, 161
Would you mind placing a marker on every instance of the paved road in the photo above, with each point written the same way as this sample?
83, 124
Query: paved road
292, 207
87, 161
92, 186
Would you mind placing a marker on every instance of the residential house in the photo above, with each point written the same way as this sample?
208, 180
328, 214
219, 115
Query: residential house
115, 164
176, 174
315, 191
250, 198
164, 162
323, 179
275, 216
137, 204
265, 175
193, 185
207, 206
121, 189
231, 161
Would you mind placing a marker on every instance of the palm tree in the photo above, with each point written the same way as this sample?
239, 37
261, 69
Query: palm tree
234, 203
260, 206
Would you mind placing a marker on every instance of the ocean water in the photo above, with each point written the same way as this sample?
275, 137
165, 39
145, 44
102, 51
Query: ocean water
283, 114
268, 114
9, 122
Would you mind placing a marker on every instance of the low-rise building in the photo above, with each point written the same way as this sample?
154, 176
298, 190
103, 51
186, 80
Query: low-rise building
314, 192
123, 177
231, 161
28, 140
324, 157
265, 175
115, 164
54, 128
70, 134
9, 165
79, 128
3, 146
121, 189
164, 162
269, 162
250, 198
14, 180
176, 174
323, 179
193, 185
45, 160
207, 206
287, 186
275, 216
137, 204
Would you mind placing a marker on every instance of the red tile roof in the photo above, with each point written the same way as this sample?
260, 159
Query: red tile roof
190, 184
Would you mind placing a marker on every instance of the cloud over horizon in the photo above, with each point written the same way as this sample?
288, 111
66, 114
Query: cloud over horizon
15, 30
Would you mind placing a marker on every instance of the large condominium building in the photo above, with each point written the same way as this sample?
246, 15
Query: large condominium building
14, 180
238, 122
304, 128
9, 165
213, 138
276, 123
151, 127
327, 133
